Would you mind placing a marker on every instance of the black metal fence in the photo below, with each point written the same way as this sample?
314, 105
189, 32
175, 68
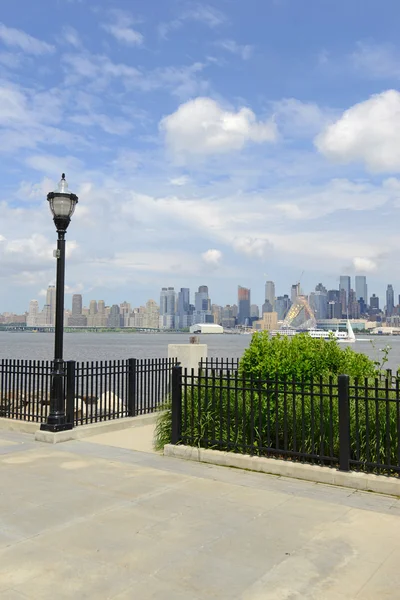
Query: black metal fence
336, 422
94, 391
219, 364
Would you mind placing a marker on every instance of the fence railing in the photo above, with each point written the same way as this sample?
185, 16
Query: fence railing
25, 389
94, 391
219, 364
338, 422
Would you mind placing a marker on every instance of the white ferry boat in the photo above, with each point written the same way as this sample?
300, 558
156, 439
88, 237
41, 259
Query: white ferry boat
321, 334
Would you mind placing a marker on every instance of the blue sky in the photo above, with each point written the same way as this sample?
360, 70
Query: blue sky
218, 143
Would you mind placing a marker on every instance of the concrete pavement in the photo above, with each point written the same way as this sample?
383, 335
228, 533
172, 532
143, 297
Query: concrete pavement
86, 520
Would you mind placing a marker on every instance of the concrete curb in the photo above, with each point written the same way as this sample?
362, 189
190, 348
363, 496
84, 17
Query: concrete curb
359, 481
20, 426
78, 433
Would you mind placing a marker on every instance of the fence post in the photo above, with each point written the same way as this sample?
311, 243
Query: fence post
132, 377
176, 404
344, 423
70, 396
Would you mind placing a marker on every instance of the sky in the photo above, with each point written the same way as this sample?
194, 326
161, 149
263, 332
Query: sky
217, 144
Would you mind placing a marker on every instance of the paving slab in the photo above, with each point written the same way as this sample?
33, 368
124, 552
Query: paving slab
91, 520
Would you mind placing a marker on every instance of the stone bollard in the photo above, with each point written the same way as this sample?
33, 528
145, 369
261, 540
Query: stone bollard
188, 355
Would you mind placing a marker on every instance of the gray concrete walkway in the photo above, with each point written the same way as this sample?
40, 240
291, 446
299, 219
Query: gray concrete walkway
83, 520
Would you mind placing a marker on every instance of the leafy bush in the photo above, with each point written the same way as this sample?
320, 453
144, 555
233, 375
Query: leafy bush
302, 356
283, 401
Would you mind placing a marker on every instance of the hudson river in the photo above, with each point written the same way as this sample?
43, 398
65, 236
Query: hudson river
114, 346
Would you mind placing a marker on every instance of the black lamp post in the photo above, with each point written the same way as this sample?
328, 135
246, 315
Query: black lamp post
62, 205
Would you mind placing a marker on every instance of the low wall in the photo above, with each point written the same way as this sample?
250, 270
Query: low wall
359, 481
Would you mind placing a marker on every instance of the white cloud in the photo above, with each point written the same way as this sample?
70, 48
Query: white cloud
206, 14
212, 257
202, 127
182, 81
182, 180
296, 118
379, 61
244, 51
16, 38
368, 132
253, 247
71, 36
364, 265
125, 34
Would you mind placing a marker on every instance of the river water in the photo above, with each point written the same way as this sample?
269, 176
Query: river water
114, 346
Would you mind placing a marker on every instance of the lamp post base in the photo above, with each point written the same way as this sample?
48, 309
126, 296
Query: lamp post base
55, 427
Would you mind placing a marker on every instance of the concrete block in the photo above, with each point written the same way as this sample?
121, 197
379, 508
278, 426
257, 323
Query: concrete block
360, 481
54, 438
20, 426
189, 355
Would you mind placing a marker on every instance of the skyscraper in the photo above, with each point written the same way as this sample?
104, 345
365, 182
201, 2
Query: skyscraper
244, 305
319, 303
361, 288
33, 314
270, 294
77, 319
294, 292
51, 302
114, 318
184, 316
389, 300
202, 305
344, 285
282, 305
167, 308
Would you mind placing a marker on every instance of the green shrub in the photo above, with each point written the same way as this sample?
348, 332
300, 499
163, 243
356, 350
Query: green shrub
284, 397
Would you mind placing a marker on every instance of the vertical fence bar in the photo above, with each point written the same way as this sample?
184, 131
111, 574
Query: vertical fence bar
132, 372
176, 409
344, 423
70, 403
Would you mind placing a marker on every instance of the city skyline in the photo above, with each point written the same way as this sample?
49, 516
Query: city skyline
179, 309
206, 142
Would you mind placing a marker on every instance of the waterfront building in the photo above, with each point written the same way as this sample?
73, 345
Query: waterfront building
344, 288
294, 292
216, 312
318, 301
51, 303
270, 294
269, 322
243, 305
77, 319
101, 316
33, 314
361, 288
254, 311
282, 305
389, 301
167, 308
184, 314
202, 305
114, 318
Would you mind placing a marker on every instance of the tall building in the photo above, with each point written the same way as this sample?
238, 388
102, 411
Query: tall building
77, 319
152, 315
125, 310
244, 305
294, 292
202, 305
114, 318
167, 308
33, 314
270, 294
283, 303
269, 322
51, 302
334, 305
254, 311
344, 286
319, 303
91, 318
374, 303
361, 288
101, 316
216, 312
267, 307
184, 317
389, 301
